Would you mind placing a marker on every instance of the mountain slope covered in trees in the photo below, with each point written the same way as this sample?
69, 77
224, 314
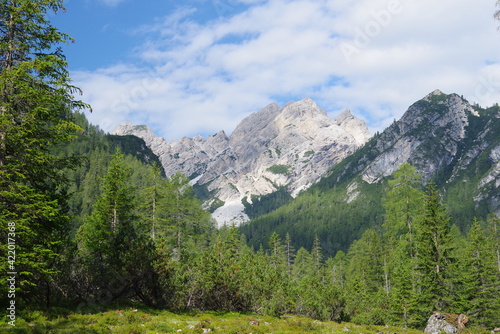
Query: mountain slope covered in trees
448, 141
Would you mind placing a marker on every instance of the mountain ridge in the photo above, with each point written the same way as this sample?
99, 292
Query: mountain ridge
291, 146
447, 140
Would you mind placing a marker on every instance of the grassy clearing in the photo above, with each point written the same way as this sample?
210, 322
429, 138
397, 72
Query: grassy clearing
146, 321
131, 321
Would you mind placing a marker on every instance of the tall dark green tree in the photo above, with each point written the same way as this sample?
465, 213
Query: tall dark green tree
36, 97
434, 254
289, 253
404, 207
110, 241
479, 285
403, 204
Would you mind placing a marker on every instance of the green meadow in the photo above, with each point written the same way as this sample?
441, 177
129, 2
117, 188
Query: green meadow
148, 321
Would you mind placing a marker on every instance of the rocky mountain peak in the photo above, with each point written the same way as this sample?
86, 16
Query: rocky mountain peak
436, 123
290, 147
436, 92
353, 125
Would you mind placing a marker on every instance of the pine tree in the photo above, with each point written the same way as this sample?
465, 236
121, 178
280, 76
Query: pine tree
35, 103
404, 207
494, 224
403, 295
337, 268
366, 262
316, 256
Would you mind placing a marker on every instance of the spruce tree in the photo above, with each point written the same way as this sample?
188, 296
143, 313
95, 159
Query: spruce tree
434, 255
289, 251
277, 255
403, 204
108, 241
36, 99
404, 207
479, 286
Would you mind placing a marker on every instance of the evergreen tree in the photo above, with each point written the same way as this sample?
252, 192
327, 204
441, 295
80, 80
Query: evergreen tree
366, 297
494, 224
277, 255
434, 255
289, 251
404, 207
35, 102
403, 204
152, 197
403, 295
110, 241
479, 292
184, 214
337, 268
301, 266
366, 262
316, 256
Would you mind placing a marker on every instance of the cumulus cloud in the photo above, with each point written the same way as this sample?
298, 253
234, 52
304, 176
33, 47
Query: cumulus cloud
375, 57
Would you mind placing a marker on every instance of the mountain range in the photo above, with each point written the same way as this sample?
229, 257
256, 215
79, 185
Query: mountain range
448, 140
335, 167
272, 149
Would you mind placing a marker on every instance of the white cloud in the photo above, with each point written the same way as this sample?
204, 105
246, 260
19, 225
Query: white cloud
204, 78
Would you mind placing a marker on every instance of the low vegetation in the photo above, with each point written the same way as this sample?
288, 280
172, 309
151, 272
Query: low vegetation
150, 321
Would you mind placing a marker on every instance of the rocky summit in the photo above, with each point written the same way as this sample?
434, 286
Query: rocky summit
277, 147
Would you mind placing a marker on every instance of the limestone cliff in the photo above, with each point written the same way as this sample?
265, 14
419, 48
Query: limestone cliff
292, 146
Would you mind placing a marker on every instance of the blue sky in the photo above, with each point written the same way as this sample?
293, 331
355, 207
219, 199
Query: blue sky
199, 66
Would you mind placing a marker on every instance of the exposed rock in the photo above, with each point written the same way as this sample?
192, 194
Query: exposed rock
437, 324
356, 127
440, 116
294, 146
291, 146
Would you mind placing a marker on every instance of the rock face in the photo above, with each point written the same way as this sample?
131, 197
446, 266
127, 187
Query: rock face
276, 147
435, 116
445, 138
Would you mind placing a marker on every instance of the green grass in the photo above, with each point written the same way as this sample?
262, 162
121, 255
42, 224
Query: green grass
280, 169
130, 321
